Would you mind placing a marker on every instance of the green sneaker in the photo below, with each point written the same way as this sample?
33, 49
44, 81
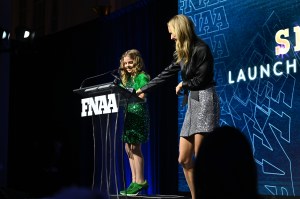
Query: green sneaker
124, 192
136, 189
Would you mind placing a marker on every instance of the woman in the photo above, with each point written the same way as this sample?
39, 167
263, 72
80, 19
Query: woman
136, 126
195, 61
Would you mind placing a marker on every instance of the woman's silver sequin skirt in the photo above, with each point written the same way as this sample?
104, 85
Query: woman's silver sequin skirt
203, 112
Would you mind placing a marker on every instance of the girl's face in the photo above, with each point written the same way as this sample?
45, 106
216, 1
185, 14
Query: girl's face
128, 64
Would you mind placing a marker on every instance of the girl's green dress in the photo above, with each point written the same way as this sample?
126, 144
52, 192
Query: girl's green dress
137, 121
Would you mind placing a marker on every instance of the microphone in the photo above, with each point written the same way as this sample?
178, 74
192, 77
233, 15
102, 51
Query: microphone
108, 72
117, 69
131, 90
116, 78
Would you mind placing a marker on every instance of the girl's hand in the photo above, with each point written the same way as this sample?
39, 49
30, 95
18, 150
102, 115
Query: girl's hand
140, 93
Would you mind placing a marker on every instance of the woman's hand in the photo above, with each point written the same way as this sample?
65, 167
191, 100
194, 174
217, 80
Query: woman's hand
178, 88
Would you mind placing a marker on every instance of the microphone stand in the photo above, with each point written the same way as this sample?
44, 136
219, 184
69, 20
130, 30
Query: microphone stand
111, 72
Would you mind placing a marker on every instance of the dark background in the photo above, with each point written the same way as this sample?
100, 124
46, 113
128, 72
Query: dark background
48, 143
45, 145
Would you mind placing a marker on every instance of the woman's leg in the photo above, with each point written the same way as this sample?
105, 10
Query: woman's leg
187, 148
185, 159
197, 142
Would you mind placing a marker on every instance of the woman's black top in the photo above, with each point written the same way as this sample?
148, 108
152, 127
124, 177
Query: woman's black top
197, 74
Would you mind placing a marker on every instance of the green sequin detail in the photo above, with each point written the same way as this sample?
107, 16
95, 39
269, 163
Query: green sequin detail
137, 122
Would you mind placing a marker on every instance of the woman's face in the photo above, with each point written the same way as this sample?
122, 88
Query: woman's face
128, 64
171, 31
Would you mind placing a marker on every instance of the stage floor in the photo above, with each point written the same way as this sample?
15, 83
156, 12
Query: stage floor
148, 196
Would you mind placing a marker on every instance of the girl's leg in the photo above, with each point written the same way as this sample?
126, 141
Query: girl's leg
138, 161
131, 161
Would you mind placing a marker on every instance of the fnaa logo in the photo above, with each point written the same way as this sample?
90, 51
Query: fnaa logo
98, 105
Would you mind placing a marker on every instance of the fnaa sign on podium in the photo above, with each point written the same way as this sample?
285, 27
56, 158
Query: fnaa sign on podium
103, 104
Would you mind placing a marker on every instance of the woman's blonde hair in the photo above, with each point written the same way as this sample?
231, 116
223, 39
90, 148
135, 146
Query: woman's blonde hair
138, 64
184, 30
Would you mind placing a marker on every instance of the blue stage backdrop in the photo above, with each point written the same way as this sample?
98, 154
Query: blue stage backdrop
256, 47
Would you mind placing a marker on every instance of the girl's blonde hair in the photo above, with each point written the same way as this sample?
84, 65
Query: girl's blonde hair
138, 64
184, 30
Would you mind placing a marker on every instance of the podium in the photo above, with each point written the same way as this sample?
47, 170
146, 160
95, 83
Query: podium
126, 95
107, 128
